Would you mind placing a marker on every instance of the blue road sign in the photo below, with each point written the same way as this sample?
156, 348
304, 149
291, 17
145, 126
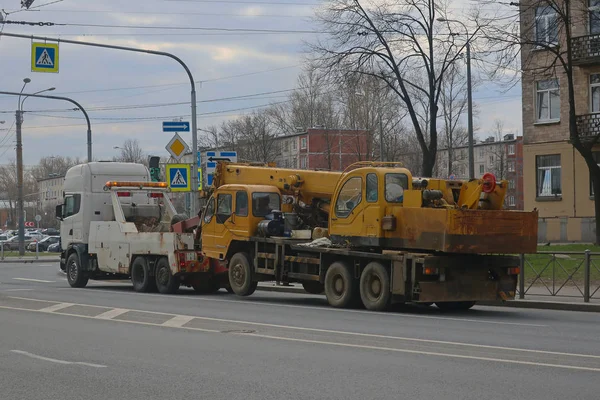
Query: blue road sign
213, 157
178, 175
174, 126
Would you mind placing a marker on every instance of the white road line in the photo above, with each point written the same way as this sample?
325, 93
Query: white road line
327, 309
178, 321
33, 280
427, 353
110, 314
56, 307
188, 318
54, 360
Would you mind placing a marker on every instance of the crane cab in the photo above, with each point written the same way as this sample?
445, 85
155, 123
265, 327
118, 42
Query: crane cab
233, 213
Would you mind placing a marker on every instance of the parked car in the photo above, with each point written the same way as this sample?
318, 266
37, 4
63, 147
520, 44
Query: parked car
43, 244
13, 242
55, 248
4, 238
51, 232
36, 235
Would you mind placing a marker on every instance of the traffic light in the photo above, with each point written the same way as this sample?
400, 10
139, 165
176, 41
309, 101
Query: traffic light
154, 167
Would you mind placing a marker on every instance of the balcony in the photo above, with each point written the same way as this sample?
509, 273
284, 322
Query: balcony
586, 49
588, 126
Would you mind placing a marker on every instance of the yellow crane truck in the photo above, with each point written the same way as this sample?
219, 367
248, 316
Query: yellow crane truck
373, 234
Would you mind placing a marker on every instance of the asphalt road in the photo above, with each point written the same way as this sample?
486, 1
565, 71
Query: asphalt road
107, 342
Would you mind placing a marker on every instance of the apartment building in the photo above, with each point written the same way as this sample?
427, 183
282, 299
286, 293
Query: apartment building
503, 158
556, 176
50, 191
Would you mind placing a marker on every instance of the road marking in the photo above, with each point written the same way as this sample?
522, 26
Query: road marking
33, 280
110, 314
178, 321
56, 307
54, 360
379, 348
187, 318
421, 352
15, 290
329, 309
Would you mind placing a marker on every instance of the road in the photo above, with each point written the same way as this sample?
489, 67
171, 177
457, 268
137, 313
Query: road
107, 342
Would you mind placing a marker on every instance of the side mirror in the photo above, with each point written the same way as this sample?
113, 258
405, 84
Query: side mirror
59, 212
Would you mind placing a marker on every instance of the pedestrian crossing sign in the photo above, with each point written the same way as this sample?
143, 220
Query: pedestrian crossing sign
44, 57
179, 177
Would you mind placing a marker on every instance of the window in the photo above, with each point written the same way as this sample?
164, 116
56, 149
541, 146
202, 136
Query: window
510, 201
594, 10
72, 204
349, 197
491, 159
264, 203
241, 204
294, 162
548, 175
209, 211
511, 149
511, 184
511, 166
372, 188
481, 153
303, 143
547, 100
546, 26
303, 162
223, 208
595, 93
294, 144
481, 169
597, 158
395, 184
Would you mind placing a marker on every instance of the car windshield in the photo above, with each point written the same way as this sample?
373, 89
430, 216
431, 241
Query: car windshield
2, 237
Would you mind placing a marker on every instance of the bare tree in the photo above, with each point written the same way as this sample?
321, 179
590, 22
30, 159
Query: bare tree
400, 43
54, 165
132, 152
538, 38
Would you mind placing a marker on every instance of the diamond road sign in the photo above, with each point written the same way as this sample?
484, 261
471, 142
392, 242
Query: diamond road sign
177, 147
44, 57
173, 126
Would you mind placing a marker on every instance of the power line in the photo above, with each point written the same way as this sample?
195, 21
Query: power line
272, 3
181, 13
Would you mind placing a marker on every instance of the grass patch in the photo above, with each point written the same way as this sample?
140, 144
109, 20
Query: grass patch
15, 254
551, 265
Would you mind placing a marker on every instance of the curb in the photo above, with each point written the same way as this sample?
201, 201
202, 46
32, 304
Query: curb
25, 261
532, 304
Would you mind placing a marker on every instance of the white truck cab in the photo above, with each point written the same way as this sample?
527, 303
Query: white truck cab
115, 224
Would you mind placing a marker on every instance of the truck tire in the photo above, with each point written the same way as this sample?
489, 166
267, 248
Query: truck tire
341, 288
76, 277
313, 287
375, 287
166, 283
140, 275
241, 275
455, 305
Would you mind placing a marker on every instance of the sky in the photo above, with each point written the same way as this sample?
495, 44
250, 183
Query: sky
236, 71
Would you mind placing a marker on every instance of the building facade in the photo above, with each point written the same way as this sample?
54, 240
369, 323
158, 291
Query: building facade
503, 158
558, 182
50, 191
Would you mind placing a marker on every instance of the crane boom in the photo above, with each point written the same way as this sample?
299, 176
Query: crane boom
305, 185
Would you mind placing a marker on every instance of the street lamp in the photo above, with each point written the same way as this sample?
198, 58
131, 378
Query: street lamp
469, 98
20, 205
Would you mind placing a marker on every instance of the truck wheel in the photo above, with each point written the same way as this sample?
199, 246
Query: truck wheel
455, 305
340, 286
206, 286
375, 287
140, 275
313, 287
241, 274
166, 283
229, 289
75, 275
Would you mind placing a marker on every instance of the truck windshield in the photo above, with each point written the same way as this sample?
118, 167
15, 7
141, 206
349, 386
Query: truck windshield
395, 184
264, 203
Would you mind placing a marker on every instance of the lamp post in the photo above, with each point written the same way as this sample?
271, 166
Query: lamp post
469, 98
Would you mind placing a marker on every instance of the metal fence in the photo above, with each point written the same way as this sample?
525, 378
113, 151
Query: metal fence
9, 251
560, 274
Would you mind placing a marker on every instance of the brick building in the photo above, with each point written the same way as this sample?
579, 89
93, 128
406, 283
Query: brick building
557, 178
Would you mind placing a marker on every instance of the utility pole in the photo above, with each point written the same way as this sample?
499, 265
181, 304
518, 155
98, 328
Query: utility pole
381, 158
470, 112
20, 205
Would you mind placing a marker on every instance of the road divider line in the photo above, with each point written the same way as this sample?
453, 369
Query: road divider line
33, 280
54, 360
421, 352
110, 314
55, 307
178, 321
